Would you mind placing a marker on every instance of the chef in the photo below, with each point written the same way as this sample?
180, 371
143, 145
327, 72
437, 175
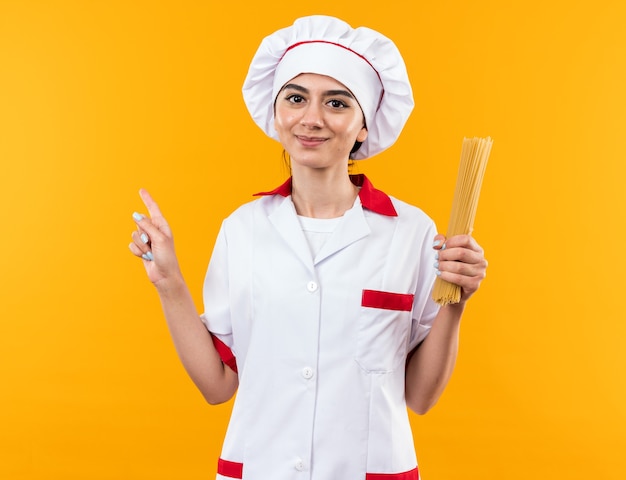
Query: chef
317, 300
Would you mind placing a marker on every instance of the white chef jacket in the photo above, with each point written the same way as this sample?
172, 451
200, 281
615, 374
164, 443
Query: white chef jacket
320, 344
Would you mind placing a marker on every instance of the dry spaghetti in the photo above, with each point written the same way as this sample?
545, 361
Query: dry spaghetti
474, 155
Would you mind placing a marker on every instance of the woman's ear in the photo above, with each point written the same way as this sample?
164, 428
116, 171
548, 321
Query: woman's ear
362, 135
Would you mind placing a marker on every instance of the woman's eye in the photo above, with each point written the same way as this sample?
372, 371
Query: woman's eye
337, 104
295, 98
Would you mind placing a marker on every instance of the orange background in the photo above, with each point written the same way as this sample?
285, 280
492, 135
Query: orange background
100, 98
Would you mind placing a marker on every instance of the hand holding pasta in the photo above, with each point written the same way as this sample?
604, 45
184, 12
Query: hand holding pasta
461, 263
474, 155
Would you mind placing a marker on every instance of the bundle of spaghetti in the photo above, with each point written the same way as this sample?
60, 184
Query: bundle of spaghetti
474, 155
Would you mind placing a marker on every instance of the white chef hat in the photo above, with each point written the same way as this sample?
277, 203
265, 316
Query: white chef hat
366, 62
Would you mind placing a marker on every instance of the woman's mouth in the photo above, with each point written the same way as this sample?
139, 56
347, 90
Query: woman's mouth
310, 141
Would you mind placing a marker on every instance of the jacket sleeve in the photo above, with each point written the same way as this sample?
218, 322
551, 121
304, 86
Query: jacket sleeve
424, 307
215, 294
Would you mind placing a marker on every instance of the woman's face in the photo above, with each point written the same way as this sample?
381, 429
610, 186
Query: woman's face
318, 121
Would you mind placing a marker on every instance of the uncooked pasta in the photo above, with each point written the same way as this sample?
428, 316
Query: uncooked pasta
474, 155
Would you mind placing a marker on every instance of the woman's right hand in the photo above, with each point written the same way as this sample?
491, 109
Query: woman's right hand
153, 243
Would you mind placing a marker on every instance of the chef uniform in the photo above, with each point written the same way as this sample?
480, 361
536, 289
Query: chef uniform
320, 337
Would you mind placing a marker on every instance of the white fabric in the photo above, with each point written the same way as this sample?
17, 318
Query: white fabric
321, 378
361, 51
317, 231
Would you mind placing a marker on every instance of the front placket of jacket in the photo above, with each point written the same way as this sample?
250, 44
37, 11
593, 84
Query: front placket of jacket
299, 376
352, 228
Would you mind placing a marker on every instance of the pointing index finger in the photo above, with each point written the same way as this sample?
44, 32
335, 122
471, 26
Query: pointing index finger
151, 205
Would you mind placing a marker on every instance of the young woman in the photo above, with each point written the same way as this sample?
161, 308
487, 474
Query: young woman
317, 299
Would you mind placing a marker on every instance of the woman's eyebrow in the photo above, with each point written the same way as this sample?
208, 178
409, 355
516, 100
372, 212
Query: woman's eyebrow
345, 93
293, 86
300, 88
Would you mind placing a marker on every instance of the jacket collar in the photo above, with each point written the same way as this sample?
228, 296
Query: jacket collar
371, 198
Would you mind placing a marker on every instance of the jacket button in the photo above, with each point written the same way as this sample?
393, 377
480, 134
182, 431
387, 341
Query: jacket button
307, 372
311, 286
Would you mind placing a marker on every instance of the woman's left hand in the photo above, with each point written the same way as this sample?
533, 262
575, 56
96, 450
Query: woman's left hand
461, 261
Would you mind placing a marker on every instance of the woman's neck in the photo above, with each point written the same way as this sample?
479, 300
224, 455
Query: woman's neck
322, 193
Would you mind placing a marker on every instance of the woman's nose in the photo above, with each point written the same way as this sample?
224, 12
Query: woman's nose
312, 116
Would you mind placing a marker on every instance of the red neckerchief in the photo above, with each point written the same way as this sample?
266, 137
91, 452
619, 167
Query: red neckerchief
371, 198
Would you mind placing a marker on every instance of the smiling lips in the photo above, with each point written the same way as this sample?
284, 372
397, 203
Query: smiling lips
310, 141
